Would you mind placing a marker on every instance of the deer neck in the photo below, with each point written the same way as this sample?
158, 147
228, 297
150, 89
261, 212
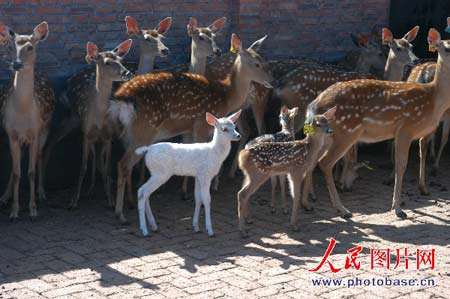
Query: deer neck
361, 65
314, 144
441, 79
287, 129
24, 87
103, 89
238, 87
146, 63
393, 70
198, 61
220, 145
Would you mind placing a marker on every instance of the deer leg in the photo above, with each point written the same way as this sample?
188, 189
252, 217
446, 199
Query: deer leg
282, 179
142, 173
129, 188
312, 191
106, 171
94, 167
198, 205
153, 183
258, 105
433, 146
187, 138
273, 182
423, 144
125, 166
307, 182
336, 151
41, 170
16, 154
205, 184
243, 128
402, 144
295, 181
251, 184
444, 140
84, 162
33, 150
8, 192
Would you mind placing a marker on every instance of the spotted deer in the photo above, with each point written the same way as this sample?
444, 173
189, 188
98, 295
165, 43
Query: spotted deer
27, 104
301, 86
167, 104
296, 159
287, 133
93, 104
372, 111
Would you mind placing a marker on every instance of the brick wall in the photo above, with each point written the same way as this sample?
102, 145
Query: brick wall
307, 28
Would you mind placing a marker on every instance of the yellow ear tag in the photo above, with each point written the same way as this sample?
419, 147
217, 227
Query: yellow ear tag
308, 130
234, 49
431, 48
385, 42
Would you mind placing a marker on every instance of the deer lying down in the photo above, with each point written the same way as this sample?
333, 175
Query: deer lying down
200, 160
286, 134
297, 159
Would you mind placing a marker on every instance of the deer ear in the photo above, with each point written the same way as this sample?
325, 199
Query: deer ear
386, 36
218, 24
211, 119
40, 32
192, 26
6, 35
330, 113
236, 45
294, 111
411, 35
447, 29
132, 26
284, 109
256, 45
434, 39
164, 25
123, 48
92, 52
235, 116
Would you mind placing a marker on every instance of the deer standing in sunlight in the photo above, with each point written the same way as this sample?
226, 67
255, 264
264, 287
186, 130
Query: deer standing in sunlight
297, 159
27, 103
168, 104
200, 160
372, 111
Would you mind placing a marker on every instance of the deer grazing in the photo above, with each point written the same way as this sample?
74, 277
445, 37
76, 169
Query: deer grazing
286, 134
372, 111
200, 160
297, 159
27, 104
93, 102
167, 104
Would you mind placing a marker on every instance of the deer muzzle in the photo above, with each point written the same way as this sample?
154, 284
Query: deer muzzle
126, 75
16, 65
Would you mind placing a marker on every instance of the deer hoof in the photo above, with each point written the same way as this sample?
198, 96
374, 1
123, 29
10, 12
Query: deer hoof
308, 209
184, 196
13, 219
400, 214
249, 220
312, 197
424, 191
33, 218
402, 204
294, 227
347, 215
212, 235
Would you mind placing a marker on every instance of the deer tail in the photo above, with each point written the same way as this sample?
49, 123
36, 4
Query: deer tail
142, 150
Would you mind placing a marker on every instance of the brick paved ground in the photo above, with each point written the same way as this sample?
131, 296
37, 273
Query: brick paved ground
86, 254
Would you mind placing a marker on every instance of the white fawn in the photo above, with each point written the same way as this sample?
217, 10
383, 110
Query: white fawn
27, 103
372, 111
297, 159
287, 133
93, 102
168, 104
200, 160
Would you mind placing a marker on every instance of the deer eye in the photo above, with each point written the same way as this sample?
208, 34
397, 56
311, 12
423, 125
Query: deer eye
30, 48
201, 37
257, 65
225, 129
108, 63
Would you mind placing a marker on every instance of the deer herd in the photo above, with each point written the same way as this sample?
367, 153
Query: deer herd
338, 107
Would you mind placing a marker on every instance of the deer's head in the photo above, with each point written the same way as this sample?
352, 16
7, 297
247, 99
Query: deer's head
320, 124
225, 126
250, 63
373, 54
287, 117
24, 53
150, 40
437, 44
204, 38
109, 63
401, 49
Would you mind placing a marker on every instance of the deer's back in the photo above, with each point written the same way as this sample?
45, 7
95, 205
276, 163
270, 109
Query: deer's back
170, 95
423, 73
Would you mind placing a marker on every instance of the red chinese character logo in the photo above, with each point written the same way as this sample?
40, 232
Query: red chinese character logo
425, 257
349, 261
380, 258
403, 257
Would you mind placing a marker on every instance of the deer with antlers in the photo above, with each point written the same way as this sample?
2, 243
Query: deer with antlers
260, 161
372, 111
27, 104
167, 104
